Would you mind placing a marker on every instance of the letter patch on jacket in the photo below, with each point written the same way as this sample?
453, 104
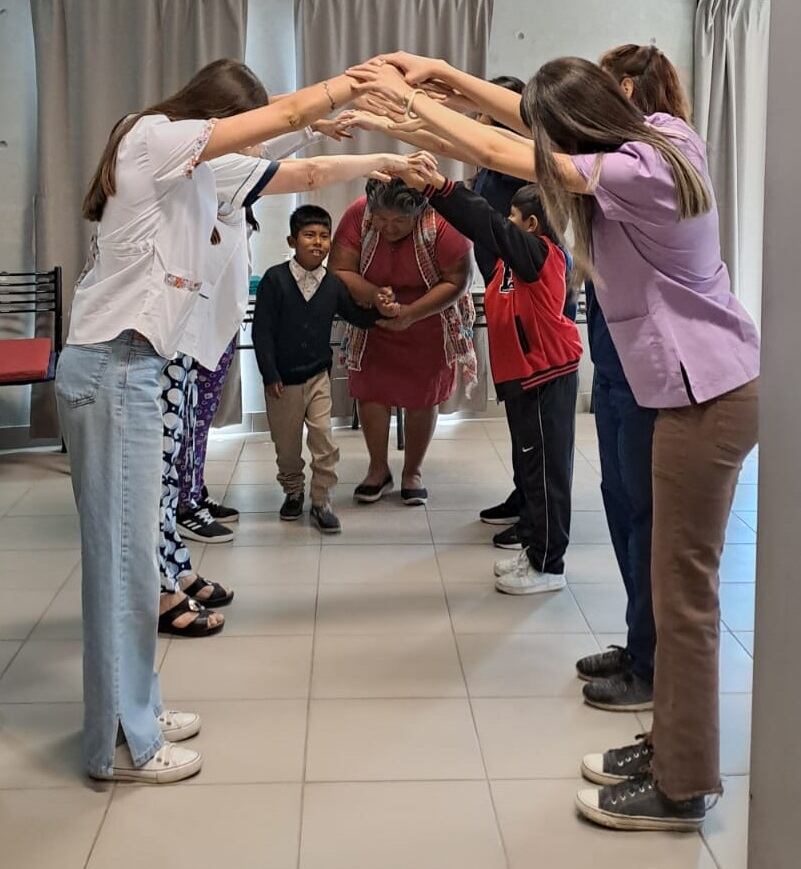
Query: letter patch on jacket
506, 284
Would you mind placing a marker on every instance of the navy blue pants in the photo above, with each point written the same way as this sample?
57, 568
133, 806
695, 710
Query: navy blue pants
625, 437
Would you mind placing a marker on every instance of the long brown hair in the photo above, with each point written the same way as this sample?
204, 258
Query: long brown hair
657, 86
573, 106
222, 88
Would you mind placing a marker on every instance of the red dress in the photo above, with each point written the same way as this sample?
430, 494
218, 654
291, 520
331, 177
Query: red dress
403, 369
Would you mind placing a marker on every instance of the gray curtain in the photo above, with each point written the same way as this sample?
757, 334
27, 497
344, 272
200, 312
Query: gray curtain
97, 60
332, 35
731, 77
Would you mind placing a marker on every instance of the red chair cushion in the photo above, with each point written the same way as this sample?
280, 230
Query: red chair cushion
24, 359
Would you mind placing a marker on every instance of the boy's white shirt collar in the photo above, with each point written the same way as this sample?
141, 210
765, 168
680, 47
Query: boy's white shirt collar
308, 281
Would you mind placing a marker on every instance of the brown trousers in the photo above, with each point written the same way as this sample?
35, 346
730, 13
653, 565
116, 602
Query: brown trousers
697, 456
308, 403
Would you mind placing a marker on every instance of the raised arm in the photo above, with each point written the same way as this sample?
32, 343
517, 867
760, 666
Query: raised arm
496, 101
484, 144
311, 173
291, 113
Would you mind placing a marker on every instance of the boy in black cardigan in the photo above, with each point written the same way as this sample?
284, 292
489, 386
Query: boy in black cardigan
295, 307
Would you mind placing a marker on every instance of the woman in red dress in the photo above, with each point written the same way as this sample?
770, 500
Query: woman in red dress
391, 241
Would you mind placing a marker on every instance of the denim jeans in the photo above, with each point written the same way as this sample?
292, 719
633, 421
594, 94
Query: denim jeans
108, 403
625, 435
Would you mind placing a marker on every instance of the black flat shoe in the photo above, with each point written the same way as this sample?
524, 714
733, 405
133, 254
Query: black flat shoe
197, 628
219, 596
414, 497
365, 494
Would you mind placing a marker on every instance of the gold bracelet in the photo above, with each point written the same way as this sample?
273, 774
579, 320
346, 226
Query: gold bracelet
328, 94
410, 101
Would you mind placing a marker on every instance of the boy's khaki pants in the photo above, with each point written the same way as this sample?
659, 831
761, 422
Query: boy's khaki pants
308, 403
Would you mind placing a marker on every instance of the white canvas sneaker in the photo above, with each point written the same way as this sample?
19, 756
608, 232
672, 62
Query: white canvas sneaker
170, 763
525, 580
177, 726
510, 565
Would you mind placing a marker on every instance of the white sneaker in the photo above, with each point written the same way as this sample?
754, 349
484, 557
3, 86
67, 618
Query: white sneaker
177, 726
169, 764
510, 565
525, 580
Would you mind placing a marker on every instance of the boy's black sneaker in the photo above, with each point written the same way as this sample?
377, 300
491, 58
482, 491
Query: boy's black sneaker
623, 692
602, 665
292, 508
219, 512
196, 523
618, 764
502, 514
638, 804
508, 539
325, 519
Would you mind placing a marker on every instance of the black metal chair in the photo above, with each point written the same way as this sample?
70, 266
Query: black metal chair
31, 360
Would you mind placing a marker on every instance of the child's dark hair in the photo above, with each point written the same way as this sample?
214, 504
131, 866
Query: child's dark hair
527, 201
511, 83
308, 215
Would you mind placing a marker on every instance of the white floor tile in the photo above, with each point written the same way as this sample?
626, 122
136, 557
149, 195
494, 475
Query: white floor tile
260, 824
603, 605
738, 563
392, 740
524, 665
37, 569
443, 824
417, 665
261, 565
365, 608
480, 609
44, 671
379, 564
236, 668
545, 737
50, 829
21, 611
591, 562
250, 741
589, 526
263, 610
39, 532
460, 526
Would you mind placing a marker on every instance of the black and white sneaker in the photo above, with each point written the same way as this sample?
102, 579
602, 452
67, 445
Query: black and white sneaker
197, 524
502, 514
618, 764
623, 692
219, 512
508, 539
638, 804
292, 508
325, 519
602, 665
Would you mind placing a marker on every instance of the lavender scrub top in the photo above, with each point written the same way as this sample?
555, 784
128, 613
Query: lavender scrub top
662, 284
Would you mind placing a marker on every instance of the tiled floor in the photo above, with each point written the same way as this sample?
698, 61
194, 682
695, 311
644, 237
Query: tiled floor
372, 703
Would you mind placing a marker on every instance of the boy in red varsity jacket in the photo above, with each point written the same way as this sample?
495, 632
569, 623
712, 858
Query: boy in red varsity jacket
534, 354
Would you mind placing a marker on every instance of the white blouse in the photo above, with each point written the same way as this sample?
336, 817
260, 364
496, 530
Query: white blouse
153, 241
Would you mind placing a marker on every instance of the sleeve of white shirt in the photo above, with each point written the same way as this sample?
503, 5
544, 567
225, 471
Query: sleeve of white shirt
289, 143
174, 147
240, 179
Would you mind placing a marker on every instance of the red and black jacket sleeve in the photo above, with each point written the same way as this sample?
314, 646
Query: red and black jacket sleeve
524, 252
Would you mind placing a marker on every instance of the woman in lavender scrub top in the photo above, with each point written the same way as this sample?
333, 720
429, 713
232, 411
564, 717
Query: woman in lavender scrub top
638, 192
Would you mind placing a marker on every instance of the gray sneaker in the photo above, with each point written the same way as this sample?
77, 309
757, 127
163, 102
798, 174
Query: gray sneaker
602, 665
638, 804
325, 519
618, 764
624, 692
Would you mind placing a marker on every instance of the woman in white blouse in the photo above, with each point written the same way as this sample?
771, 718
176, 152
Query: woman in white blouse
155, 202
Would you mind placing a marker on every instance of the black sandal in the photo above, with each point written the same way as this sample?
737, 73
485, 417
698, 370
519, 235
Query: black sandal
218, 597
367, 494
197, 628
